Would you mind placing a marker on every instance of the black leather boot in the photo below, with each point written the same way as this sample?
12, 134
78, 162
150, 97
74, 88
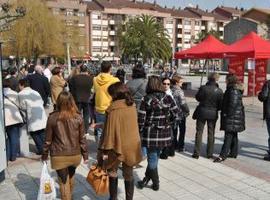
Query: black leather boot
113, 186
146, 179
129, 188
155, 179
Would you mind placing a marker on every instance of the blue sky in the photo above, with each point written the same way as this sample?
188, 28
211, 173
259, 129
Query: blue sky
210, 4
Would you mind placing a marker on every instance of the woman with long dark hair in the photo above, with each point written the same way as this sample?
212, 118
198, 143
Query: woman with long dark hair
120, 142
156, 115
65, 141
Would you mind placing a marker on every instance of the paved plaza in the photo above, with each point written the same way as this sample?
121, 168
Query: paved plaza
181, 177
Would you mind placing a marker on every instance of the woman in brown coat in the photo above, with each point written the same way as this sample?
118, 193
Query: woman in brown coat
121, 141
65, 140
57, 83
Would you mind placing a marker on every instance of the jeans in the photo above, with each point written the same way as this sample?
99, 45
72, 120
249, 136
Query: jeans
100, 118
84, 107
211, 124
39, 138
230, 144
152, 157
13, 133
268, 129
179, 142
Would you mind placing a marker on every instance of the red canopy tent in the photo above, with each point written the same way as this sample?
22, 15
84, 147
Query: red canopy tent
210, 47
250, 46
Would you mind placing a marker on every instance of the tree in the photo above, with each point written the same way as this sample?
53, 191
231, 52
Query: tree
39, 32
203, 34
144, 37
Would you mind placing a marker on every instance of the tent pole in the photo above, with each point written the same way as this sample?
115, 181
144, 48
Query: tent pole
205, 62
254, 87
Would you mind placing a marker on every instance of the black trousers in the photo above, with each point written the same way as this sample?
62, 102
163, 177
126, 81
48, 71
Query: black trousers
211, 125
179, 140
230, 145
84, 107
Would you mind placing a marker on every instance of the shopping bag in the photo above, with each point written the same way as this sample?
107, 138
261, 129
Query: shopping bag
98, 179
47, 189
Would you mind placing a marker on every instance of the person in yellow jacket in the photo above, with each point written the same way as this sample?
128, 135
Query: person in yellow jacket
102, 97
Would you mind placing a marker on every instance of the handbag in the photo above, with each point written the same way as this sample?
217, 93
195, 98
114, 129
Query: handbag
98, 179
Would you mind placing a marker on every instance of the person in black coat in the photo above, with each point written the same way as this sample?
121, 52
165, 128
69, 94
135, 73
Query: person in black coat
232, 118
264, 96
80, 86
209, 97
40, 83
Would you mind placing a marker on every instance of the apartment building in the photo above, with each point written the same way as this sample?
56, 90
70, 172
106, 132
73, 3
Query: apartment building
73, 14
229, 12
209, 20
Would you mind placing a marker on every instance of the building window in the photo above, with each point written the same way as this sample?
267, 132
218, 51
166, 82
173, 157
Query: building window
187, 41
96, 38
105, 28
69, 23
187, 22
169, 21
81, 25
96, 27
187, 32
69, 13
96, 49
197, 23
80, 14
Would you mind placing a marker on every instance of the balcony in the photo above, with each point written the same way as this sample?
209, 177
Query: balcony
111, 22
179, 26
179, 35
221, 28
179, 45
187, 27
187, 36
202, 27
112, 33
197, 28
112, 43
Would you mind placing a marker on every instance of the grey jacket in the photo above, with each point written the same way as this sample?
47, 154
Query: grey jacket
137, 88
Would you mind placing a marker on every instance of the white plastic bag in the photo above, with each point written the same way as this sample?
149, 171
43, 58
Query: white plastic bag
47, 189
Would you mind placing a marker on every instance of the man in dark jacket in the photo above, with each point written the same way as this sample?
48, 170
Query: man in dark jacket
265, 98
80, 87
40, 83
209, 97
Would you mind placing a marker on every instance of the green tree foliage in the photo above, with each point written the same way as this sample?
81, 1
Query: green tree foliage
203, 34
38, 33
144, 37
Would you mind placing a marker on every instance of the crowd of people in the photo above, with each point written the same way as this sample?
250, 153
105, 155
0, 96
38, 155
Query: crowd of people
137, 119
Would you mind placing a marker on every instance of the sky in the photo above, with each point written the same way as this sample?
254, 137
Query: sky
211, 4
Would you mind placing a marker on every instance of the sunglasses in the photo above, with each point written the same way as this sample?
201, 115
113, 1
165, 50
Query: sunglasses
166, 84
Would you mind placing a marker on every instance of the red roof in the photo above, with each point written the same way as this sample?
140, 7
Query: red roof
210, 47
250, 46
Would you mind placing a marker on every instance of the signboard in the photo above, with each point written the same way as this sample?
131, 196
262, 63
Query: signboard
237, 67
257, 77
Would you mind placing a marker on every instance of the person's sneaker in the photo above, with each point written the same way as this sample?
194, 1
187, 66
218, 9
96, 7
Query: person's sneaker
231, 156
196, 156
163, 156
267, 158
209, 157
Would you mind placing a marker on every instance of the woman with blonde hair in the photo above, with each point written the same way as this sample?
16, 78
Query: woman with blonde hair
65, 140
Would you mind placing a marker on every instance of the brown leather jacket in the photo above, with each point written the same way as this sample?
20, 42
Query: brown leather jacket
65, 138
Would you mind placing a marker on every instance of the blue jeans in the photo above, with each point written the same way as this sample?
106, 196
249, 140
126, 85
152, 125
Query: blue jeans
268, 129
13, 133
152, 157
100, 118
39, 138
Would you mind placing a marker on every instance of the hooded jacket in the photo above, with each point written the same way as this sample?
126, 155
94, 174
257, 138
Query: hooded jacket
101, 84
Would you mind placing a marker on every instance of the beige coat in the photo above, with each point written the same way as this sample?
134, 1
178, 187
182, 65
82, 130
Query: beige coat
121, 134
57, 85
